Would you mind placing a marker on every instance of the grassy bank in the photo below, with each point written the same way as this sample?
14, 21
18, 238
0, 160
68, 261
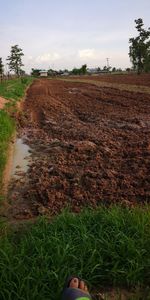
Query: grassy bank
7, 127
13, 90
108, 247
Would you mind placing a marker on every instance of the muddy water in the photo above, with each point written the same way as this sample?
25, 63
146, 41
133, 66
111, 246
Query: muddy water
20, 159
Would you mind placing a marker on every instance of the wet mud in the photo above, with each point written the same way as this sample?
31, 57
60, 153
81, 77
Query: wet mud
20, 159
88, 146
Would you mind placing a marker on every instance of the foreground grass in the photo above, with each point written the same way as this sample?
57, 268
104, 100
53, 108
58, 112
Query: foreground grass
108, 247
13, 90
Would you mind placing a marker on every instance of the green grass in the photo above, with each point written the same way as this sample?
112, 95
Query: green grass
7, 127
107, 247
13, 90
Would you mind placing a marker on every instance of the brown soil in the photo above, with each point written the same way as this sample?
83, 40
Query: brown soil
90, 146
2, 102
131, 79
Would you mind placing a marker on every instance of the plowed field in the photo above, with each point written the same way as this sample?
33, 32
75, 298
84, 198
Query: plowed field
129, 79
90, 146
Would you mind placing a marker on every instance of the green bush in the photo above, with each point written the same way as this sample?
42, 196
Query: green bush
24, 80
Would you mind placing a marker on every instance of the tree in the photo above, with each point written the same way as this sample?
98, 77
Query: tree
35, 72
114, 69
83, 69
98, 69
128, 70
105, 69
75, 71
15, 60
139, 50
1, 66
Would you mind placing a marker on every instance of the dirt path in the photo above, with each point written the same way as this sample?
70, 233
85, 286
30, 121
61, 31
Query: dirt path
90, 145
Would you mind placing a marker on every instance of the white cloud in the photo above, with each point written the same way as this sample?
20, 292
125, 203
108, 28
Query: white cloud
47, 57
30, 57
87, 53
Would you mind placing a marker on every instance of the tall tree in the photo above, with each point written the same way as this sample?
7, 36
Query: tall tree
139, 50
1, 66
83, 69
35, 72
15, 60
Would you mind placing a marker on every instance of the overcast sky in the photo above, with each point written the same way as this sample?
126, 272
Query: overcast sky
66, 33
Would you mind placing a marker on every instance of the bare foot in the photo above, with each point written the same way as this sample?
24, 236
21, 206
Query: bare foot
78, 284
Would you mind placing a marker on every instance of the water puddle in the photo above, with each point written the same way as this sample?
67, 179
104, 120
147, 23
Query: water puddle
20, 159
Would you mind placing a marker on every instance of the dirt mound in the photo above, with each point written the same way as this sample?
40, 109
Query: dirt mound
89, 146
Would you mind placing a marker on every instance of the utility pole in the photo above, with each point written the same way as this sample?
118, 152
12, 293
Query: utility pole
107, 59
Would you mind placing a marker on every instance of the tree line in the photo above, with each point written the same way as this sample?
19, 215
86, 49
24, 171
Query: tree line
51, 72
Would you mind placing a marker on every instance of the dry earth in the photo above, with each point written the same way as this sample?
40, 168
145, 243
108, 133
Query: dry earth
90, 146
2, 102
129, 79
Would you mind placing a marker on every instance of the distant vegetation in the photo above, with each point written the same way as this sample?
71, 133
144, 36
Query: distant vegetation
79, 71
51, 72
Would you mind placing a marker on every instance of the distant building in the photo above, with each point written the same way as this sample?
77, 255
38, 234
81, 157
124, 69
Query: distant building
43, 73
92, 70
65, 74
96, 71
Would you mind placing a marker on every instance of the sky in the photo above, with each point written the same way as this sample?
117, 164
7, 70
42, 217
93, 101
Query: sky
62, 34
